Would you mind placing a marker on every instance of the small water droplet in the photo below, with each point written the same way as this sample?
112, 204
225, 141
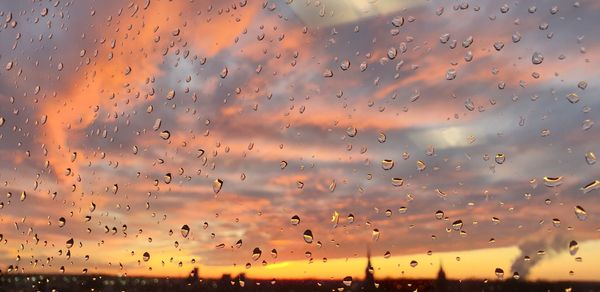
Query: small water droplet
62, 221
165, 135
590, 158
457, 225
397, 182
500, 158
573, 97
421, 165
375, 235
439, 215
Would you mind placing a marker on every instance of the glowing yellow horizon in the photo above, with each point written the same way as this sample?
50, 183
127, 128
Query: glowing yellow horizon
458, 265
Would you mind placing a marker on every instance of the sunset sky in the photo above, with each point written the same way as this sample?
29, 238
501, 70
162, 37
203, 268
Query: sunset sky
454, 133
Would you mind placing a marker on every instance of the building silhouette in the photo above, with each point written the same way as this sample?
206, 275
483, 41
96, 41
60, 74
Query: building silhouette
441, 283
369, 282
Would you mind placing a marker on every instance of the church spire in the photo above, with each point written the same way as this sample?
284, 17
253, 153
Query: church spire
369, 284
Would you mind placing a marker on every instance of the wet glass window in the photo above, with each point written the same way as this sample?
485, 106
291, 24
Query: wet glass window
299, 145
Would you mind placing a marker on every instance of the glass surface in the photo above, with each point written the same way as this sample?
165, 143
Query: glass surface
306, 145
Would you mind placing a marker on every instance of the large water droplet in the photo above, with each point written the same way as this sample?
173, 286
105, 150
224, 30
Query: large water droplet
537, 58
499, 273
553, 181
217, 184
573, 247
256, 253
185, 231
594, 185
146, 256
387, 164
295, 220
580, 213
308, 236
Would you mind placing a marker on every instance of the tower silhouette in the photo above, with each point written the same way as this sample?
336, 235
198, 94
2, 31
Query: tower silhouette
441, 283
369, 283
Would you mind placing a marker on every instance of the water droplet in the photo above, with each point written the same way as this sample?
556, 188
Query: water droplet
573, 97
217, 184
170, 94
500, 158
398, 21
414, 263
283, 164
185, 231
350, 218
580, 213
146, 256
421, 165
387, 255
397, 182
387, 164
70, 243
332, 186
553, 181
537, 58
375, 235
516, 37
381, 138
224, 72
556, 222
308, 236
594, 185
499, 273
451, 74
573, 247
498, 46
587, 124
590, 158
256, 253
327, 73
168, 178
165, 135
62, 221
345, 65
351, 131
439, 215
457, 225
295, 220
392, 53
347, 281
